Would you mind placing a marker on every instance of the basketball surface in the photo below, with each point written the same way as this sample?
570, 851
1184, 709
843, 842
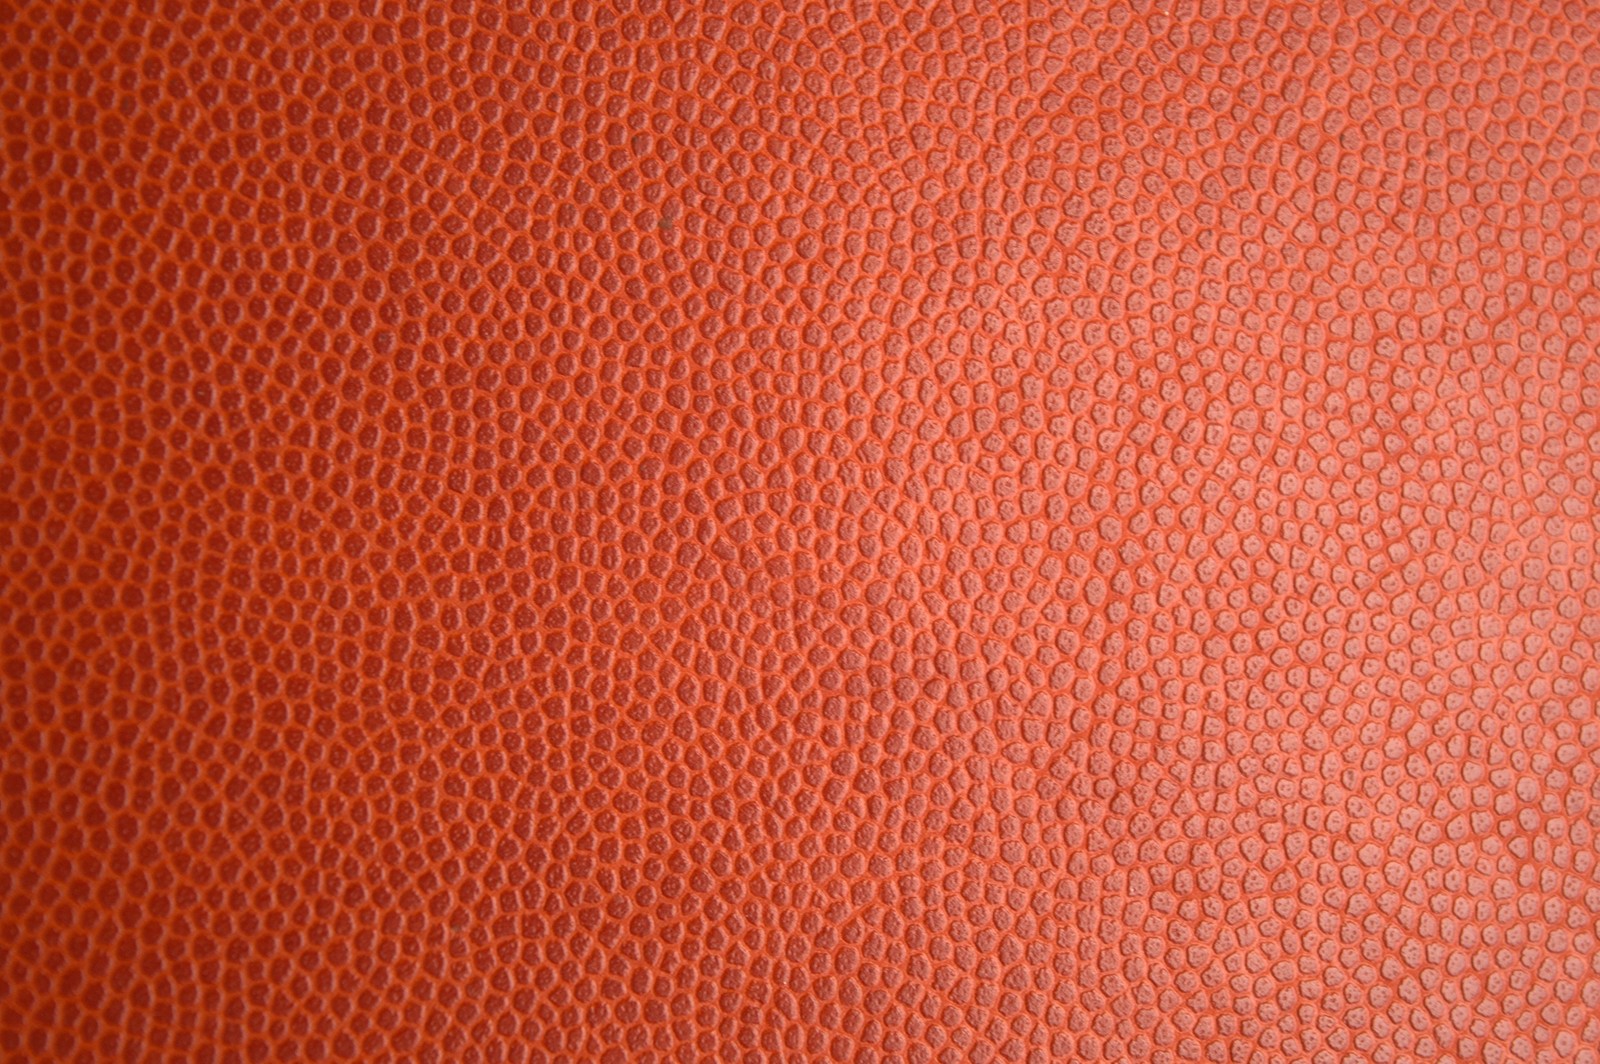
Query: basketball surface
777, 531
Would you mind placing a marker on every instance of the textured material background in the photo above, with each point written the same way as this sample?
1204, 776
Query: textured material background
775, 531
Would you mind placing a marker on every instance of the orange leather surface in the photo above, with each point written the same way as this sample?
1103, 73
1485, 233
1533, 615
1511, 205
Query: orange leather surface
759, 531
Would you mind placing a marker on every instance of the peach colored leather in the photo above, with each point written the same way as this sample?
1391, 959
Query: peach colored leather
783, 531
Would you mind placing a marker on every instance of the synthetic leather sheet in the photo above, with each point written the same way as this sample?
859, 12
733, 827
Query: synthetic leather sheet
791, 531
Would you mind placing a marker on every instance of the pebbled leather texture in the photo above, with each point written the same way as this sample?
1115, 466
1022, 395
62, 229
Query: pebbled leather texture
776, 531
